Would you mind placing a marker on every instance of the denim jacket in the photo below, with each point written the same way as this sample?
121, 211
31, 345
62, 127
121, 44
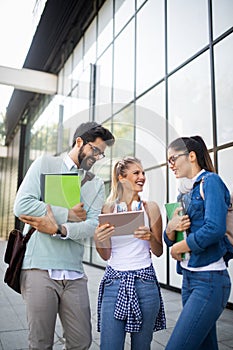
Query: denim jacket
206, 235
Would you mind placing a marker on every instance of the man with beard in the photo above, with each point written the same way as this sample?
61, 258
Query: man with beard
53, 280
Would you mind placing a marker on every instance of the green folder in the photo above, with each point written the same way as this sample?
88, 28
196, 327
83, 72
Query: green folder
62, 190
170, 208
180, 235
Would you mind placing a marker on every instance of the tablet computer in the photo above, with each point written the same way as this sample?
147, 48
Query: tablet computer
125, 222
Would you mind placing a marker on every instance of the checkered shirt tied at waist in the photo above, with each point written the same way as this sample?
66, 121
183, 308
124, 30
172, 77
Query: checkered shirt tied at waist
127, 305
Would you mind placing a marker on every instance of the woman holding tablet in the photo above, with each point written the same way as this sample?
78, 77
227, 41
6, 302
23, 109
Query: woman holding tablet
129, 294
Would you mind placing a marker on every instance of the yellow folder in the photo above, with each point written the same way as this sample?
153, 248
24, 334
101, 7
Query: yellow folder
62, 190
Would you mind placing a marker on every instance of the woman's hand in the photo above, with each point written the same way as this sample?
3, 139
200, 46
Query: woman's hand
179, 248
45, 224
103, 233
143, 232
177, 223
77, 213
102, 238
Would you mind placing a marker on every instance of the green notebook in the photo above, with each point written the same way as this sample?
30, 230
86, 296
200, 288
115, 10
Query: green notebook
180, 235
170, 208
62, 190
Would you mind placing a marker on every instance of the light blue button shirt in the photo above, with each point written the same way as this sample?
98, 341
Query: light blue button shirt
66, 274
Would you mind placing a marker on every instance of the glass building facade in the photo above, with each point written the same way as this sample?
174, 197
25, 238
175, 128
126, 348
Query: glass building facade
150, 71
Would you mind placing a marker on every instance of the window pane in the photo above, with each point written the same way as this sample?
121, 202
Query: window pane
104, 83
189, 101
150, 45
124, 9
105, 26
44, 132
156, 191
151, 126
123, 130
78, 61
80, 97
222, 16
187, 29
155, 186
224, 88
90, 44
154, 100
124, 66
67, 77
225, 167
140, 2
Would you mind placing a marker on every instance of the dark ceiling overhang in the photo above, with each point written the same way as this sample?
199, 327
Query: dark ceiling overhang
61, 26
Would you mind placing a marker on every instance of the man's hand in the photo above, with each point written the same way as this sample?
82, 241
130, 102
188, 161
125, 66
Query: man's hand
45, 224
77, 213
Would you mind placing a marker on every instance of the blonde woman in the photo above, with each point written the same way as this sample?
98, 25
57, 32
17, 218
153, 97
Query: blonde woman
129, 294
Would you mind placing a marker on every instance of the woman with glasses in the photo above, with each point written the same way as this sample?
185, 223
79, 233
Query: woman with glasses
206, 283
129, 294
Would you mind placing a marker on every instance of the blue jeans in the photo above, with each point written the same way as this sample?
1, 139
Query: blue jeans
113, 333
204, 296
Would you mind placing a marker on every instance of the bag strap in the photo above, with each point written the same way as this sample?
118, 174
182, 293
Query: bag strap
94, 199
28, 235
88, 177
201, 188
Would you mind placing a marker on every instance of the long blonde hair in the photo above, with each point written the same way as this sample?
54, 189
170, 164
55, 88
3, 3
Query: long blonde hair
120, 169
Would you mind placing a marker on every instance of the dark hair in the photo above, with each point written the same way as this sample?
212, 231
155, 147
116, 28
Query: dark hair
197, 145
90, 131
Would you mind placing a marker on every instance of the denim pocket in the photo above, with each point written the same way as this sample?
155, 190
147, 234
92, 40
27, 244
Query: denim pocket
148, 282
225, 295
108, 283
226, 288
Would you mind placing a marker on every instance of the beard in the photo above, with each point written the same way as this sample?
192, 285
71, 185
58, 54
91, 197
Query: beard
85, 162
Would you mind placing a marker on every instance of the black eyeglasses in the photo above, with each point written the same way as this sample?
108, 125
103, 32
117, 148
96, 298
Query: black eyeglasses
96, 151
174, 158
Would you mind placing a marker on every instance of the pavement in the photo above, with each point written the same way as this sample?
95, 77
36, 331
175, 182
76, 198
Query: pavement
13, 324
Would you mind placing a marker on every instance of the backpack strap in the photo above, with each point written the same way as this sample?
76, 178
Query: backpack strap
28, 235
230, 208
88, 177
201, 182
201, 188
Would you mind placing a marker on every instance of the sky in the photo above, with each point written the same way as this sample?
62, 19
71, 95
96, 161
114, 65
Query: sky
16, 33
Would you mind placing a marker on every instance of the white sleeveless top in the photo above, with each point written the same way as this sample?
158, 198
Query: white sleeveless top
129, 253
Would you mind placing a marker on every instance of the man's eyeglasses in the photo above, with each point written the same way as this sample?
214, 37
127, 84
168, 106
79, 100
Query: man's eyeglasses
174, 158
96, 151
